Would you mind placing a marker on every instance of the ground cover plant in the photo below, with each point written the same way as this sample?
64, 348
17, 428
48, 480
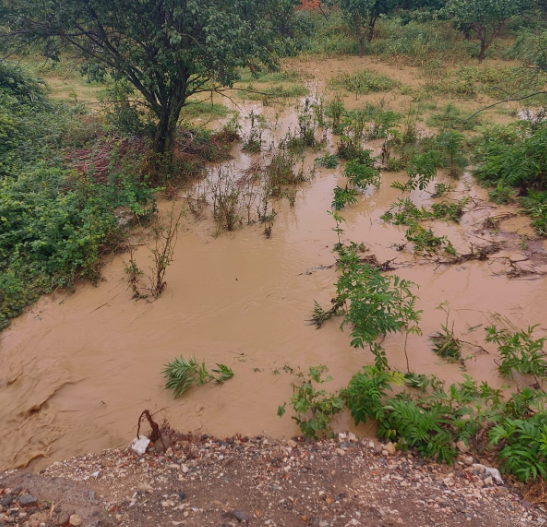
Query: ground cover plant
363, 82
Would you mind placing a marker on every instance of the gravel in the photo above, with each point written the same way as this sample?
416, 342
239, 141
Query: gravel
243, 481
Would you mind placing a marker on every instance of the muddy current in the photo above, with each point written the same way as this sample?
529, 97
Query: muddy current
78, 368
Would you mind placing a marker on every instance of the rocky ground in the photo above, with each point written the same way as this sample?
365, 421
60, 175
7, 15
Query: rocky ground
199, 481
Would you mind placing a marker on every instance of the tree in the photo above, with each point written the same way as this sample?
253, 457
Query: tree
362, 16
486, 18
168, 50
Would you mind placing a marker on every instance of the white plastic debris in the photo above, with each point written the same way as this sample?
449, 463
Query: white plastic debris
139, 445
94, 475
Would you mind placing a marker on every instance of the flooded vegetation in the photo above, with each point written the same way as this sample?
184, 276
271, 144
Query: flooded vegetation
340, 213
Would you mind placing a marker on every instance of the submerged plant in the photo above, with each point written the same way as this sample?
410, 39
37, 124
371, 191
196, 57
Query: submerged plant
519, 351
445, 343
182, 373
327, 161
314, 408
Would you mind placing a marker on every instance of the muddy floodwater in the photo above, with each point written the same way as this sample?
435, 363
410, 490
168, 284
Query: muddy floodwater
78, 368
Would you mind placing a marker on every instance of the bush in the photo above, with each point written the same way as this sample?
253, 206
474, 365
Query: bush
314, 408
515, 157
55, 223
433, 422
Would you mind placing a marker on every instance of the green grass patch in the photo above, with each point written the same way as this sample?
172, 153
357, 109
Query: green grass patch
204, 109
363, 82
272, 91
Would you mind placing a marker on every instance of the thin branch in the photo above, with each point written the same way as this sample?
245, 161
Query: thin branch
504, 101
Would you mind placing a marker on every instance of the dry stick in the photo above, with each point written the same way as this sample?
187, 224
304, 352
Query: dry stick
406, 354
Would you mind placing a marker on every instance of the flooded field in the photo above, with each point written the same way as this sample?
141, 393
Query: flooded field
78, 368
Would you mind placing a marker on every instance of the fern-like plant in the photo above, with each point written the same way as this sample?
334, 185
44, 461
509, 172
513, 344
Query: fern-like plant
524, 446
518, 350
182, 373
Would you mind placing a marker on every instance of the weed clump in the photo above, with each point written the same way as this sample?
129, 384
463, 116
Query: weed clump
182, 373
363, 82
314, 408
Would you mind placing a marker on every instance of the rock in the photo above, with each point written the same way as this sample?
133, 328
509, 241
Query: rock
390, 448
340, 452
352, 437
377, 446
318, 522
240, 516
185, 468
468, 460
292, 443
494, 472
163, 444
27, 500
6, 501
75, 520
462, 447
63, 518
488, 481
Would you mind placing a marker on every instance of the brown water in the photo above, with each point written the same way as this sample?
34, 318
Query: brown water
78, 369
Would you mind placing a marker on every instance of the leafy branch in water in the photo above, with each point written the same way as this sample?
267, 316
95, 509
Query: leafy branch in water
182, 373
372, 304
518, 350
314, 408
425, 240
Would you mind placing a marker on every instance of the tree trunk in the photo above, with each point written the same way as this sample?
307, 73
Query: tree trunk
164, 140
482, 52
164, 136
360, 34
371, 26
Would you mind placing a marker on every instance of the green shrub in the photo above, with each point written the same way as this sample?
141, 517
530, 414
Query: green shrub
523, 446
433, 422
314, 408
327, 161
374, 305
518, 350
55, 223
361, 175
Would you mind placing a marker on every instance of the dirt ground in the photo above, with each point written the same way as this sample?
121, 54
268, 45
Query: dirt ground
202, 481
